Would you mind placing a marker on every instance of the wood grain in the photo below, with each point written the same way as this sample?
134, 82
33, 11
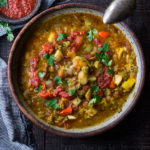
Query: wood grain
131, 134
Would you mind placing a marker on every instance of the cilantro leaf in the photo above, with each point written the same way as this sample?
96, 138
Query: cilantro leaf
110, 71
105, 60
98, 56
90, 35
58, 80
51, 60
95, 100
10, 36
46, 56
61, 37
105, 48
4, 3
109, 63
95, 31
42, 74
95, 89
38, 89
53, 103
71, 92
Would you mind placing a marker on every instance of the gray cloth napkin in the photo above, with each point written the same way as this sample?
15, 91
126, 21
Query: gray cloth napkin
45, 4
14, 133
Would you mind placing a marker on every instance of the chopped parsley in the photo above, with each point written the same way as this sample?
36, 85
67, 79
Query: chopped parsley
53, 103
90, 35
3, 3
40, 87
58, 80
46, 56
61, 37
95, 89
104, 57
110, 71
95, 100
71, 92
51, 60
42, 74
10, 36
105, 48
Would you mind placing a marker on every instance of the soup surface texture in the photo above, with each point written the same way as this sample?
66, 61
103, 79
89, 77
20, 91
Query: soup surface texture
76, 71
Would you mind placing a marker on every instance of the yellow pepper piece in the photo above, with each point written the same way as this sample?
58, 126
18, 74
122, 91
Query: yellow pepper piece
51, 37
127, 85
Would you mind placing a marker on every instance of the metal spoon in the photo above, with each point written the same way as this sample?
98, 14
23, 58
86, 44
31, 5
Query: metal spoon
118, 10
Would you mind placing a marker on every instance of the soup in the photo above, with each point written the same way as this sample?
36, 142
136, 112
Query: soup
76, 71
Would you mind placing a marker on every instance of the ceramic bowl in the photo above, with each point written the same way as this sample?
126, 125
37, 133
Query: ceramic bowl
16, 52
24, 19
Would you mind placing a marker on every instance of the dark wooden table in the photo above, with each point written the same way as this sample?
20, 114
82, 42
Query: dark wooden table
131, 134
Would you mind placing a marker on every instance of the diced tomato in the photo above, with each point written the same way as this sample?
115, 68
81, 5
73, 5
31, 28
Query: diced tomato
48, 48
98, 42
67, 111
46, 94
112, 84
35, 80
104, 34
34, 62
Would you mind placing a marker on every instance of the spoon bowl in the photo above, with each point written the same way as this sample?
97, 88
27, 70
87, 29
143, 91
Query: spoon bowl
118, 10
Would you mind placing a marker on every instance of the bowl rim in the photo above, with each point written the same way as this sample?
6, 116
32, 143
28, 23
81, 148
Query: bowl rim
37, 121
24, 19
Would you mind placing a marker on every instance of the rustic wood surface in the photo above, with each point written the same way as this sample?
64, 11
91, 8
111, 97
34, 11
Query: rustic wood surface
133, 133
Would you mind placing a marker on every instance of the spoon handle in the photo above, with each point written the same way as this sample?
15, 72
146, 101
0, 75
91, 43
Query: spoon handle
118, 10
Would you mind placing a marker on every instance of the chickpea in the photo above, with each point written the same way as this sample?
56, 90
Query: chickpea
82, 78
58, 56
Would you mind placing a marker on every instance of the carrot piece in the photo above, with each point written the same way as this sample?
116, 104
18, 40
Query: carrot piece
112, 84
45, 94
67, 111
104, 34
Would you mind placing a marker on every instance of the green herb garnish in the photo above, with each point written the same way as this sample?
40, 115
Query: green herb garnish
110, 71
10, 36
105, 48
95, 100
53, 103
3, 3
51, 60
90, 35
40, 87
42, 74
46, 56
61, 37
95, 89
58, 80
99, 56
71, 92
